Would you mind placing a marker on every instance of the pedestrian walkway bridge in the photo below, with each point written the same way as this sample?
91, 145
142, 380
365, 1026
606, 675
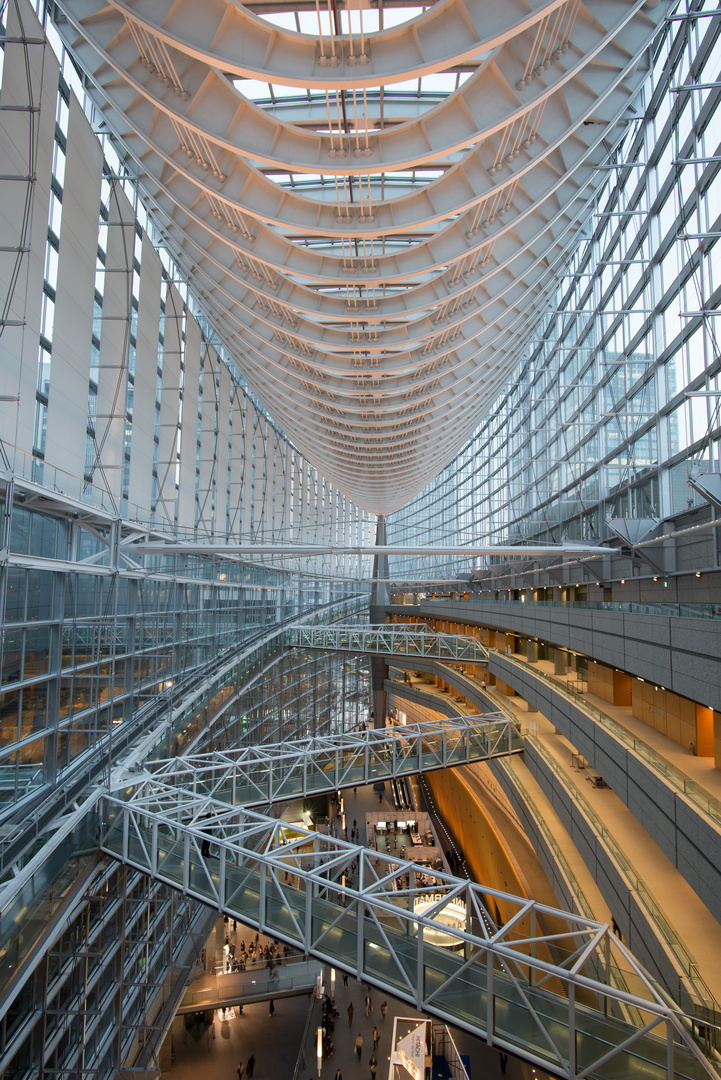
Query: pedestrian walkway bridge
258, 982
574, 1002
269, 772
388, 640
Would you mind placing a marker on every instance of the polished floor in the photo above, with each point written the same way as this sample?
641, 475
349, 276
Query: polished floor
277, 1042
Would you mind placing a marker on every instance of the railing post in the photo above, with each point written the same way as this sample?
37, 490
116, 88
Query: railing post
571, 1029
154, 848
186, 861
308, 920
534, 931
670, 1055
261, 895
359, 928
489, 996
221, 876
126, 829
419, 967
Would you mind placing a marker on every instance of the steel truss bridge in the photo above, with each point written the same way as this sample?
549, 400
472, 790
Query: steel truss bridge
271, 772
388, 641
573, 1000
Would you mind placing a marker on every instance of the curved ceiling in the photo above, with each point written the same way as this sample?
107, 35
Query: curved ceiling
372, 217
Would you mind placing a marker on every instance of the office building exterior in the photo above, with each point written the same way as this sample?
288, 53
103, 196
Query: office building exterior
269, 274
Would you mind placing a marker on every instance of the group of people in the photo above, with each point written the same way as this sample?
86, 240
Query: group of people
255, 953
372, 1061
249, 1066
359, 1042
329, 1014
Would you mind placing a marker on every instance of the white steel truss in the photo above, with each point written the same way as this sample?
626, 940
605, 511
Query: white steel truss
388, 641
560, 1000
271, 772
375, 312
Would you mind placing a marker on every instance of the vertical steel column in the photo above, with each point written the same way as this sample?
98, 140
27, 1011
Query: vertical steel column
489, 997
571, 1028
186, 862
154, 848
262, 872
379, 600
420, 966
221, 877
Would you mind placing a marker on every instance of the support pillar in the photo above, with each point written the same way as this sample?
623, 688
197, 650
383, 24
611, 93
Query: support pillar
559, 662
378, 603
532, 651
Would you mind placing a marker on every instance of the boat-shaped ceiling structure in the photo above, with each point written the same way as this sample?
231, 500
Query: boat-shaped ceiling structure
372, 218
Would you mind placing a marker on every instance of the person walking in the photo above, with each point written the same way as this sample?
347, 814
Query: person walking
345, 980
359, 1045
338, 1075
369, 1004
503, 1060
384, 1010
373, 1066
376, 1037
239, 1070
250, 1066
271, 1007
350, 1014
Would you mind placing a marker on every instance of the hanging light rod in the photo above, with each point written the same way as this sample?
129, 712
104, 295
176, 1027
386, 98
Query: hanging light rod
156, 547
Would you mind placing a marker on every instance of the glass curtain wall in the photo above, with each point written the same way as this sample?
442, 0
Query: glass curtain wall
616, 399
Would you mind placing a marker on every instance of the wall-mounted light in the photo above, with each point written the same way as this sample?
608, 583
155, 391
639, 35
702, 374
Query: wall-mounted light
698, 573
623, 581
655, 578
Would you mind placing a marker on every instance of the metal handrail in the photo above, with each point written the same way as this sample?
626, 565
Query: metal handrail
341, 903
389, 640
630, 607
269, 772
705, 997
683, 783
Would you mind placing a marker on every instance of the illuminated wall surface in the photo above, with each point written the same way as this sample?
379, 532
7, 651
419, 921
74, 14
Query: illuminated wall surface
126, 411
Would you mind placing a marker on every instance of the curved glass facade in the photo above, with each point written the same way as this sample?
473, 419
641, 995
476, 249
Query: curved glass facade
616, 398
